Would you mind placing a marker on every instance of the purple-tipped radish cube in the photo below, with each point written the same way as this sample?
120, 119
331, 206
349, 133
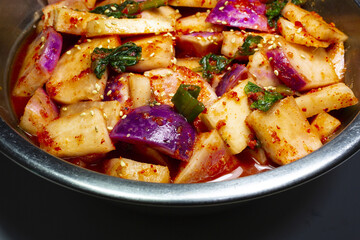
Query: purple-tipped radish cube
284, 70
40, 61
158, 127
244, 14
231, 78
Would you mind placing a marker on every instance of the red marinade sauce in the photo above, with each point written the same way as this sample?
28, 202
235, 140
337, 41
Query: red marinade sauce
248, 165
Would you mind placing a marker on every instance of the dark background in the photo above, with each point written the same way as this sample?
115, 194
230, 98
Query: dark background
325, 208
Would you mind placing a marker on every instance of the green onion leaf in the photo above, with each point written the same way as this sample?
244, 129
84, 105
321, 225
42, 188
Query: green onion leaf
260, 98
213, 63
249, 45
186, 103
128, 9
252, 88
118, 58
273, 10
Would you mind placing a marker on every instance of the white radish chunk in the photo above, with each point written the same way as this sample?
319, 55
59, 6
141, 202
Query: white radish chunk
199, 44
77, 135
325, 126
313, 23
40, 61
126, 27
196, 23
259, 66
166, 13
337, 57
157, 52
210, 159
71, 83
140, 90
166, 81
311, 63
284, 132
227, 115
133, 170
295, 34
110, 109
69, 21
191, 62
325, 99
39, 111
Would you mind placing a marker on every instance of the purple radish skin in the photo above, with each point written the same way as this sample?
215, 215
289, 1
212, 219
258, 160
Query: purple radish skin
158, 127
284, 70
231, 78
39, 63
245, 14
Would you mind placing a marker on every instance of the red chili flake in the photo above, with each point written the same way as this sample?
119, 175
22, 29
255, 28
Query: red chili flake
220, 124
275, 137
233, 95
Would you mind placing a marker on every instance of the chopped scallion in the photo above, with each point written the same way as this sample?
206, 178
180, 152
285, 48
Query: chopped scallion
260, 98
186, 103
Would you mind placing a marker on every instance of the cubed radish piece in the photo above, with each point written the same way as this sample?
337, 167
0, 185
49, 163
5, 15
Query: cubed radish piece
325, 126
138, 171
196, 23
71, 83
233, 41
117, 88
193, 3
39, 111
166, 13
157, 52
140, 90
259, 66
227, 115
191, 63
284, 132
158, 127
311, 65
40, 61
231, 78
297, 34
166, 81
76, 135
325, 99
199, 44
210, 160
110, 109
313, 24
337, 57
66, 20
285, 71
245, 14
127, 26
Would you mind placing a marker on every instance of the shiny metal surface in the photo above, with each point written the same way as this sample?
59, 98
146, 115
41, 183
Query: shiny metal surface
17, 16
